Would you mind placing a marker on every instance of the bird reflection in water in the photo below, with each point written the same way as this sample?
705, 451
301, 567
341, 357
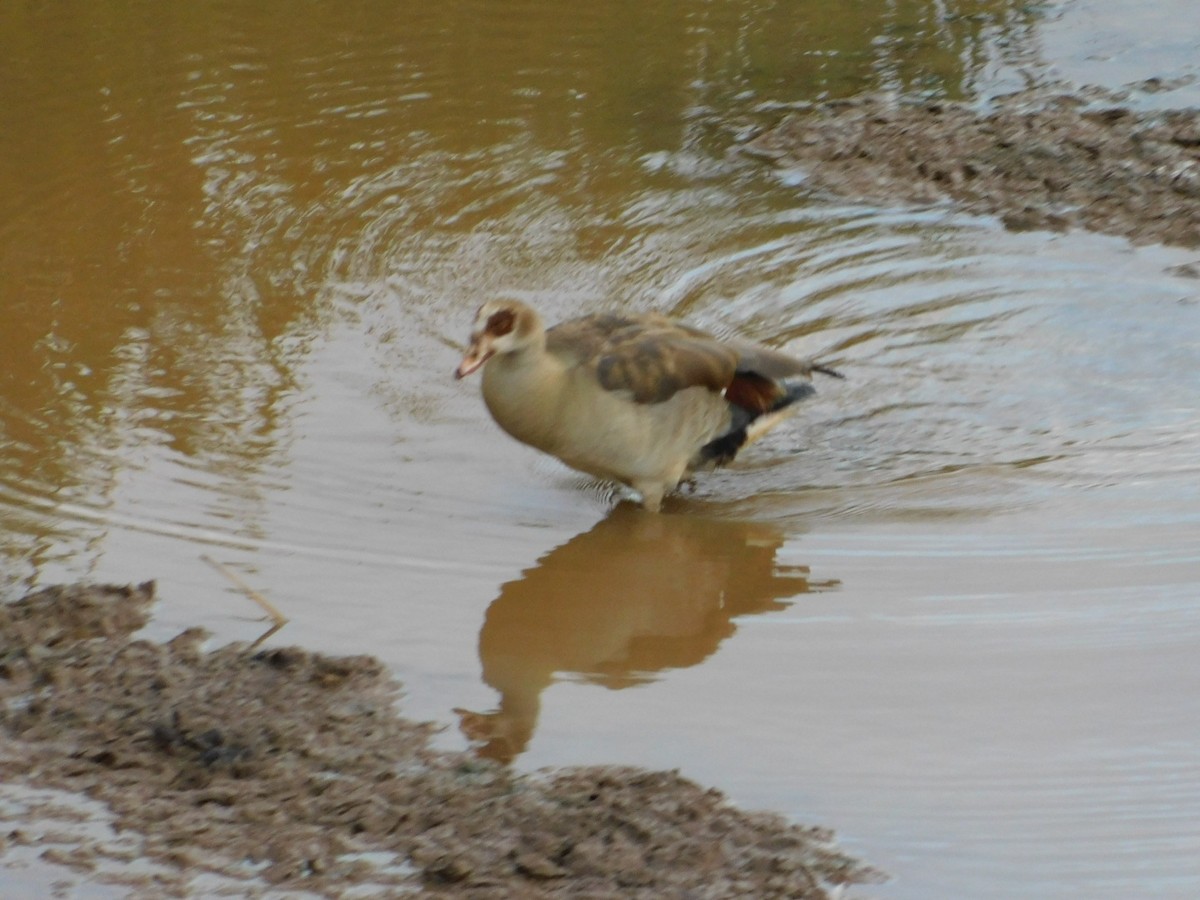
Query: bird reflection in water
633, 596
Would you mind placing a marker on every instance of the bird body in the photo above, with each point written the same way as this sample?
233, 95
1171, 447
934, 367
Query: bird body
638, 399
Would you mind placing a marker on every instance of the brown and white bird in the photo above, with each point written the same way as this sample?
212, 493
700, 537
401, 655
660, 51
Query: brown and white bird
638, 399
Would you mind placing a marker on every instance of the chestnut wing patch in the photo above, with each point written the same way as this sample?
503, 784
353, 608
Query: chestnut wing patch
754, 393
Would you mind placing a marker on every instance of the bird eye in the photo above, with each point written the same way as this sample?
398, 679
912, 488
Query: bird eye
501, 322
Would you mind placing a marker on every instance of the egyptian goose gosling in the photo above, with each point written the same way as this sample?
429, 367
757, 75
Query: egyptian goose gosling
638, 399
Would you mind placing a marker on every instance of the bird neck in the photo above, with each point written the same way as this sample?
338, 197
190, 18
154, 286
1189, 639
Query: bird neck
523, 391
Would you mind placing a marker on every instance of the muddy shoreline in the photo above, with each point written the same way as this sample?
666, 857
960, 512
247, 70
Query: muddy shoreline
256, 772
1038, 161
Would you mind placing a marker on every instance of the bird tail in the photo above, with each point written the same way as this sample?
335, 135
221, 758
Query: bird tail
795, 391
748, 425
825, 370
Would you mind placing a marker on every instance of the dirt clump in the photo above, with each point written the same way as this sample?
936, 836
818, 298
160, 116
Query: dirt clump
1036, 161
285, 770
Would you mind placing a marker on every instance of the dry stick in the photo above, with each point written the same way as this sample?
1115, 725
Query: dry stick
275, 615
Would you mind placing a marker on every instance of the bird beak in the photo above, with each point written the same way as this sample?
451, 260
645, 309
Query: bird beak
476, 356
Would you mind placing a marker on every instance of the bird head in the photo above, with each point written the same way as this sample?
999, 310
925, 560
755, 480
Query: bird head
501, 326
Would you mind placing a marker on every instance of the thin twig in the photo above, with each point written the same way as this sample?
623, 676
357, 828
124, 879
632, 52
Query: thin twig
275, 615
266, 634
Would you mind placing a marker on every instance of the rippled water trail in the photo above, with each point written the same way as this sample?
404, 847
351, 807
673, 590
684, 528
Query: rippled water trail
951, 609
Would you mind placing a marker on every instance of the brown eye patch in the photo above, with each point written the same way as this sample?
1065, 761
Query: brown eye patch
501, 322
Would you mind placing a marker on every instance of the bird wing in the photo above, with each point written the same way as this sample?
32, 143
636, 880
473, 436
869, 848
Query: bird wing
650, 357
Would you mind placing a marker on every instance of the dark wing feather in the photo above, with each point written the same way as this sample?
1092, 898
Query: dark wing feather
766, 362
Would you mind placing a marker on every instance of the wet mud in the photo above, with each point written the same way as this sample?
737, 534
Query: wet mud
281, 770
1037, 161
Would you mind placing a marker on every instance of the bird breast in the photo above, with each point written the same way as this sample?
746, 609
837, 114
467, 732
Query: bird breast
562, 410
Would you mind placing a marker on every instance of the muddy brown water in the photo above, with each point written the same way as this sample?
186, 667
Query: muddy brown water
951, 610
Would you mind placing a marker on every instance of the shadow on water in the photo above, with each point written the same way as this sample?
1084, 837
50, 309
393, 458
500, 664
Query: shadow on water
616, 605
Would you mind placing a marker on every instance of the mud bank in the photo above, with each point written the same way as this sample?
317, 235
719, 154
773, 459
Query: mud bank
1038, 162
284, 770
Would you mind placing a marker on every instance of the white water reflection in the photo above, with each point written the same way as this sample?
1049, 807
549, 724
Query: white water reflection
1121, 44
